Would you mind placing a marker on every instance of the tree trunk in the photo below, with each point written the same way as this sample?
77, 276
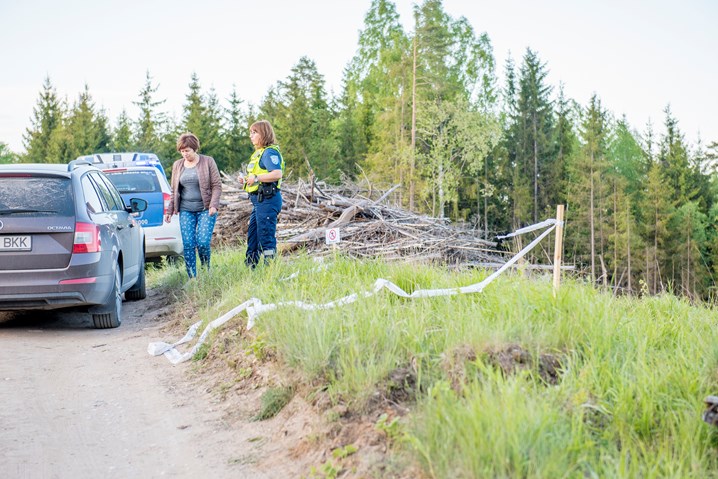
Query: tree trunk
615, 234
591, 226
412, 164
535, 171
628, 245
441, 190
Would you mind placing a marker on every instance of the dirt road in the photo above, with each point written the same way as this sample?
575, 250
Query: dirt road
76, 402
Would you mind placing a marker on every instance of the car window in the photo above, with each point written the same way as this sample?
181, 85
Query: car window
33, 195
91, 196
105, 193
134, 181
119, 202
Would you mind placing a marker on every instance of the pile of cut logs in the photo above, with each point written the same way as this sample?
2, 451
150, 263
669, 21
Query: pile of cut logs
367, 227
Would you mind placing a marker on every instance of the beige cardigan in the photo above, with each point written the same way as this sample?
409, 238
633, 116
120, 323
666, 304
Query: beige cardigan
210, 183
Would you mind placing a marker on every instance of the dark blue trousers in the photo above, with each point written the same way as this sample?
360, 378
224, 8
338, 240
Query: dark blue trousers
262, 232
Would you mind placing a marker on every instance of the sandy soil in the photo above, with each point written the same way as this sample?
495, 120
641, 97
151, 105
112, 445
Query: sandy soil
76, 402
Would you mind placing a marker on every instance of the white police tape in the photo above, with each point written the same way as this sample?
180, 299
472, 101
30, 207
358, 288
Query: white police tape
527, 229
255, 307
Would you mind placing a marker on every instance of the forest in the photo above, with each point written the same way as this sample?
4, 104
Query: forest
426, 109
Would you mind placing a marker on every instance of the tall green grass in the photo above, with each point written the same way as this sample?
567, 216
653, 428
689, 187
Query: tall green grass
627, 403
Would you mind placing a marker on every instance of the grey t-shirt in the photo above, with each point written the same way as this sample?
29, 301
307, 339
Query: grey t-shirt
190, 196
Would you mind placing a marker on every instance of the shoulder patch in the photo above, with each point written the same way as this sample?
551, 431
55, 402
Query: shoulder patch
275, 159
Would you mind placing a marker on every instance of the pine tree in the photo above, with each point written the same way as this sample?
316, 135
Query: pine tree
454, 76
374, 109
376, 79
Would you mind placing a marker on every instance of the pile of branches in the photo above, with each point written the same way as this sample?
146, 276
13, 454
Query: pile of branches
368, 228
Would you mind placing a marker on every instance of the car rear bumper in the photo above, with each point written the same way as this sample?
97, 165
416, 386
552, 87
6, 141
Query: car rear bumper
165, 240
77, 285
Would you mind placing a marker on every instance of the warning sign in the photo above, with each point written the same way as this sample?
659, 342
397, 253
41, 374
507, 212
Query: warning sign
333, 236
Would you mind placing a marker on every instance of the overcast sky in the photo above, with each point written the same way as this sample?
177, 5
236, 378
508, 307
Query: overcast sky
637, 55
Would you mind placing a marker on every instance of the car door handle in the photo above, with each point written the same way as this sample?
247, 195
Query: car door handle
120, 227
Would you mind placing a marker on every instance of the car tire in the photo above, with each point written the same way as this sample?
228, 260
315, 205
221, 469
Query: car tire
113, 318
139, 290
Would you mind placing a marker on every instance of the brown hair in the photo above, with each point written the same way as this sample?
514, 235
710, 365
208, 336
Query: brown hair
265, 131
188, 140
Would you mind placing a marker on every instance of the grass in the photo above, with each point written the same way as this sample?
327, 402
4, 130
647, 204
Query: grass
627, 402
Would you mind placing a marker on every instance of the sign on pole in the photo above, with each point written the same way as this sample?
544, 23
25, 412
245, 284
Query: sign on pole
333, 236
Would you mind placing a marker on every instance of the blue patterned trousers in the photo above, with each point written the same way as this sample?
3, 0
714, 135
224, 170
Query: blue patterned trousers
197, 231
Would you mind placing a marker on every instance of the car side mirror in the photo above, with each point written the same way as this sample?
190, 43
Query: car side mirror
137, 205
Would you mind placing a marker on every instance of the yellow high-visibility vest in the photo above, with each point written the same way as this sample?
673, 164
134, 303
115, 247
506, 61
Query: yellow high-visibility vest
254, 168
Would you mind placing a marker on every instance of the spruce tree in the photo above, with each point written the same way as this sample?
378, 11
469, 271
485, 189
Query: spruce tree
86, 129
149, 125
6, 155
299, 111
535, 152
122, 134
238, 147
47, 116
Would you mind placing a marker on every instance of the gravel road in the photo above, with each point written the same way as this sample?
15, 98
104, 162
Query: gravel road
76, 402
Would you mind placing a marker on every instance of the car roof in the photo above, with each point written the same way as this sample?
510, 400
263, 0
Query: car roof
121, 156
61, 169
111, 168
126, 167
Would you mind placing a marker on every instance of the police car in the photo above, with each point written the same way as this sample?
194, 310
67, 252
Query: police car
133, 158
140, 175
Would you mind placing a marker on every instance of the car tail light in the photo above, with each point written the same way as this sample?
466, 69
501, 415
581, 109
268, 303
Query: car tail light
166, 199
87, 238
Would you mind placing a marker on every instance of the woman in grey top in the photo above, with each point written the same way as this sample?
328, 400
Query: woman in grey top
196, 188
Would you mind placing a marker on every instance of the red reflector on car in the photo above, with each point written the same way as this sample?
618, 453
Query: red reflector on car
87, 238
79, 281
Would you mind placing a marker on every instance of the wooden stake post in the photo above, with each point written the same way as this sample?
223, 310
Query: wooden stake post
558, 249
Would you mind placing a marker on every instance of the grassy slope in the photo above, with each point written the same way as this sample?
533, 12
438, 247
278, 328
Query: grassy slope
477, 369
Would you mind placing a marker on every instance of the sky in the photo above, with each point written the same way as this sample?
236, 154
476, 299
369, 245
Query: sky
637, 56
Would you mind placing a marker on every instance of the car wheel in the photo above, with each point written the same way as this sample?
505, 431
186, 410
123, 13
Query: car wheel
139, 290
113, 318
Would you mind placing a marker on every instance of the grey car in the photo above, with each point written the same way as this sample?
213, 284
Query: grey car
68, 241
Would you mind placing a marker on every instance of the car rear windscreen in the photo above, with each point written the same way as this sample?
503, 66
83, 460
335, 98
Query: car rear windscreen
31, 195
134, 181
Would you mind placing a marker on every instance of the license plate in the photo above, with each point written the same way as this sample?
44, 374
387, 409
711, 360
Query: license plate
15, 243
